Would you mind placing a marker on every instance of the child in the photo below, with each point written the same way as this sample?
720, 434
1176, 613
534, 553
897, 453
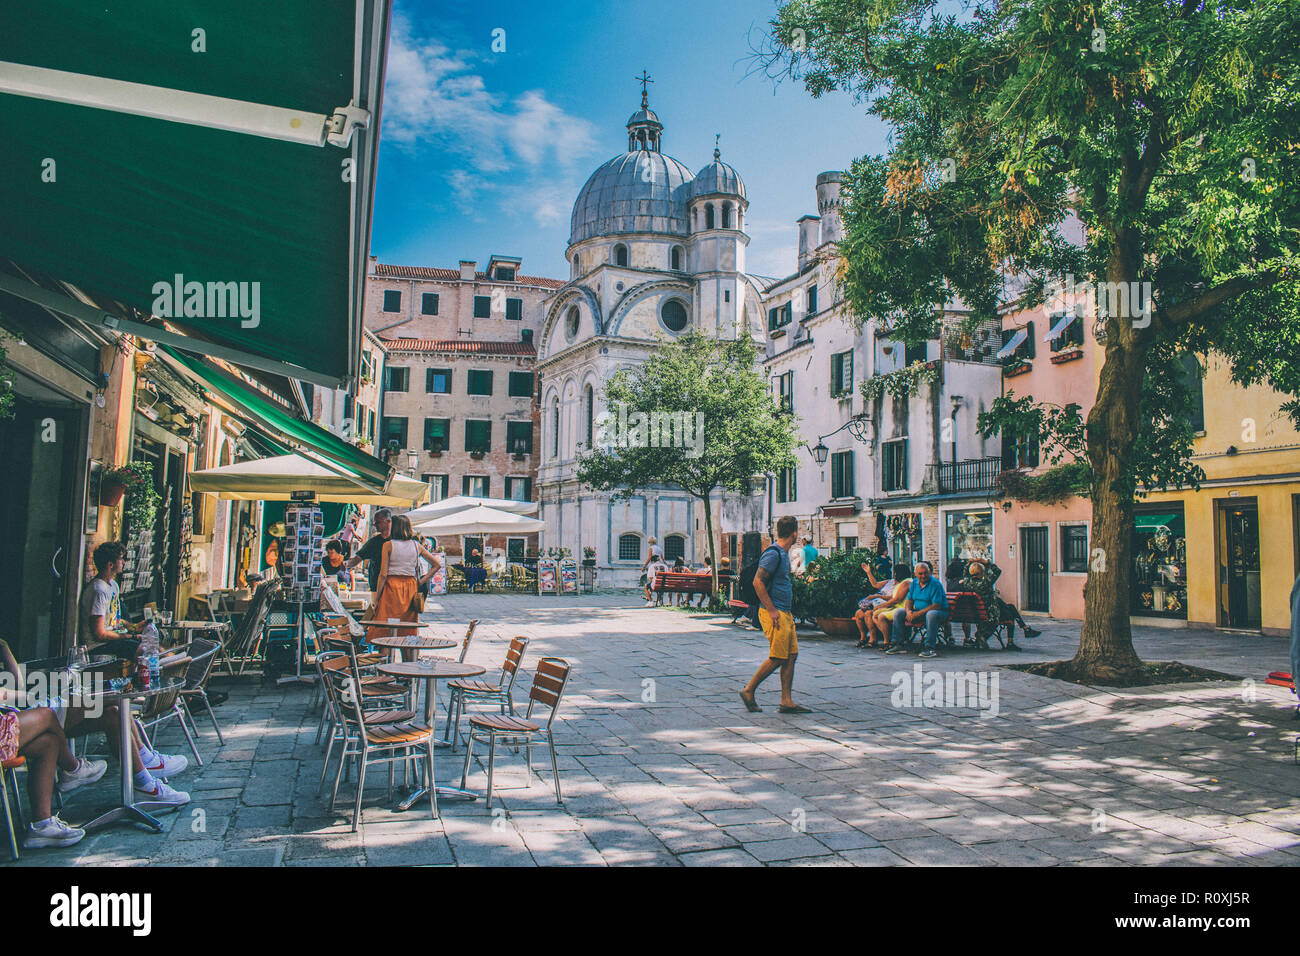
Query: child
656, 567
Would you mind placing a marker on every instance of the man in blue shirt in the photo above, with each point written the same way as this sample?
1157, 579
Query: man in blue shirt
927, 603
776, 599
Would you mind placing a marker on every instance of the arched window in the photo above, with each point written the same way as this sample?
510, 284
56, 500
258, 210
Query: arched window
620, 255
674, 547
675, 258
708, 216
726, 215
591, 417
555, 428
629, 547
571, 323
674, 315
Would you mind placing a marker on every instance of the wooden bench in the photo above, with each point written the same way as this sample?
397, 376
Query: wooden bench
966, 607
683, 582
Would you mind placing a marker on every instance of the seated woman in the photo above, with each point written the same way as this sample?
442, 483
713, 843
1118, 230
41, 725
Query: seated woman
881, 620
335, 564
981, 576
36, 735
865, 617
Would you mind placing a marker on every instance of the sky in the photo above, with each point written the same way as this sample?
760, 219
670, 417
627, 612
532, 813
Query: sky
483, 151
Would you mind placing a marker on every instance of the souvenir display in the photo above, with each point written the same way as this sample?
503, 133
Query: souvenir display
304, 527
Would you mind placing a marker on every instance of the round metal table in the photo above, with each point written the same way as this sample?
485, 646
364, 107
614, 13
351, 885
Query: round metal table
408, 646
430, 670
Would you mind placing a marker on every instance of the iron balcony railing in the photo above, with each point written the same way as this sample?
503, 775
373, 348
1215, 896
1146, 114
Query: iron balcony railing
972, 474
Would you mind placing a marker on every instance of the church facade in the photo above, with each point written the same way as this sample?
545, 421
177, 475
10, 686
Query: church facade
654, 250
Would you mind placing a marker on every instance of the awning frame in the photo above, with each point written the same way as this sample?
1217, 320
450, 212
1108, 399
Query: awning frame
1013, 343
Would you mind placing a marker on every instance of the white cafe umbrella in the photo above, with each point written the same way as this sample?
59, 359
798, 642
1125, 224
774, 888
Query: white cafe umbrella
277, 478
436, 509
480, 520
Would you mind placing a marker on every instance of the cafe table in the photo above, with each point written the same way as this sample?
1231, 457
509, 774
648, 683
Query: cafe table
129, 810
187, 629
430, 670
408, 646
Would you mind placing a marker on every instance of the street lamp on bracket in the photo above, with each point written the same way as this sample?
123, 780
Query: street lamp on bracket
860, 426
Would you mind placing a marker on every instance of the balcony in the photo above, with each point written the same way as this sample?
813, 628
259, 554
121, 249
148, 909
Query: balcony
972, 474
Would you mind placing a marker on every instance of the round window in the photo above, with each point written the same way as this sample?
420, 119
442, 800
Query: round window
571, 323
673, 314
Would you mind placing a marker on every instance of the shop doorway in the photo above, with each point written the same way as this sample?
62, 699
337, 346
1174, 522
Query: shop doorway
43, 448
1238, 563
1033, 563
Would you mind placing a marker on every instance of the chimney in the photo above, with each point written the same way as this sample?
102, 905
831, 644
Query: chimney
828, 204
808, 230
467, 269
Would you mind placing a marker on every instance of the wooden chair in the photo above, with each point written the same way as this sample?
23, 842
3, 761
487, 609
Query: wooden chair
334, 669
464, 646
463, 689
368, 742
13, 812
548, 688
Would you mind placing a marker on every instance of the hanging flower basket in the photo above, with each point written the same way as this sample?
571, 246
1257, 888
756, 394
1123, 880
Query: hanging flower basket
111, 492
136, 480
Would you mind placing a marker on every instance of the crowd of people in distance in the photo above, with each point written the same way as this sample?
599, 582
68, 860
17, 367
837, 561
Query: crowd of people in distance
656, 564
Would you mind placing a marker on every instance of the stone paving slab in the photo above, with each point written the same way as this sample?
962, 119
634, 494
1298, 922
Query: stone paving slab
661, 765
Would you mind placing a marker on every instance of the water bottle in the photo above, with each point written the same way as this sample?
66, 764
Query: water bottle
149, 645
143, 674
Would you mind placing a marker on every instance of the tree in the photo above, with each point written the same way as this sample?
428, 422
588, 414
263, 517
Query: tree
697, 415
1167, 126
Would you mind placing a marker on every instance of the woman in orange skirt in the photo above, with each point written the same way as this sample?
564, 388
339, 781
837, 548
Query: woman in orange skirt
398, 585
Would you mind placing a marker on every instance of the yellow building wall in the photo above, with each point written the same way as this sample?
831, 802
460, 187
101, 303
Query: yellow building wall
1264, 465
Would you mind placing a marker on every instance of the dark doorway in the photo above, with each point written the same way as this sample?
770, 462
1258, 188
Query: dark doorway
1239, 595
43, 447
1033, 552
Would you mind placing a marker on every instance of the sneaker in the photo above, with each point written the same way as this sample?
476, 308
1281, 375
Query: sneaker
54, 833
162, 793
897, 649
649, 603
166, 765
928, 654
86, 771
1032, 632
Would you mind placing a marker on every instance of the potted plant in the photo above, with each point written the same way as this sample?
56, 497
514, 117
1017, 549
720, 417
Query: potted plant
477, 452
588, 557
833, 585
135, 481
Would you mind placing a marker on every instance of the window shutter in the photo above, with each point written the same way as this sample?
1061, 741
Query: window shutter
1029, 346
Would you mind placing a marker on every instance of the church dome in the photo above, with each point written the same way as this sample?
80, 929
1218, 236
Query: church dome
639, 191
718, 177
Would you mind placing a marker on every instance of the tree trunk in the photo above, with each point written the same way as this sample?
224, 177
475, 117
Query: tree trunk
1106, 652
713, 553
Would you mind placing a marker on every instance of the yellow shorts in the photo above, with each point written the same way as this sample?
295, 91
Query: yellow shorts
781, 639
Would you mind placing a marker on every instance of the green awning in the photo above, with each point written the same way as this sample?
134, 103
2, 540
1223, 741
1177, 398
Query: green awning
222, 148
293, 434
1149, 522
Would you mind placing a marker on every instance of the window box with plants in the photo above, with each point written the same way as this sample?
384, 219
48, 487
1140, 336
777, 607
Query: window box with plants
1016, 367
588, 557
477, 452
1068, 355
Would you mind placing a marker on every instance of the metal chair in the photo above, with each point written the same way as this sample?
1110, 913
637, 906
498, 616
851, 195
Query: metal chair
157, 710
13, 812
203, 656
464, 646
335, 670
548, 688
379, 743
463, 689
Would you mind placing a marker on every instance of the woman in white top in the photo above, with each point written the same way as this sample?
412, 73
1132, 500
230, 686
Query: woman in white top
399, 579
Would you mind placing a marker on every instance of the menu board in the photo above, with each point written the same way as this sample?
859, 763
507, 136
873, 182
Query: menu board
568, 576
546, 579
438, 584
304, 529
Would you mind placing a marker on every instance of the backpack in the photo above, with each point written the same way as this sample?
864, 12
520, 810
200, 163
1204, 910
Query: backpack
747, 574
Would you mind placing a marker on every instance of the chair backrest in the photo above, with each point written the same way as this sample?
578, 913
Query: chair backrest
514, 655
469, 636
203, 654
336, 609
255, 616
548, 685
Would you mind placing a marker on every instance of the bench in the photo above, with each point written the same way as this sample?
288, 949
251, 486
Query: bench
682, 582
967, 607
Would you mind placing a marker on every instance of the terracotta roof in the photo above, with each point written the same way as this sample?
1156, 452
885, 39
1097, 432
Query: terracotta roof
385, 271
480, 348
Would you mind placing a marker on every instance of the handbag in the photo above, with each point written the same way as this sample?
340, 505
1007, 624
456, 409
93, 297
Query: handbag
417, 602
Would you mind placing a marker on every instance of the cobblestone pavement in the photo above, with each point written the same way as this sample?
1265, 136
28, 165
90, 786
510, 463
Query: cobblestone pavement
662, 765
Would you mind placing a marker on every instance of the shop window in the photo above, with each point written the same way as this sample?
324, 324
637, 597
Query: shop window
629, 547
392, 300
1159, 556
893, 461
786, 490
515, 550
674, 548
842, 474
969, 535
1074, 548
